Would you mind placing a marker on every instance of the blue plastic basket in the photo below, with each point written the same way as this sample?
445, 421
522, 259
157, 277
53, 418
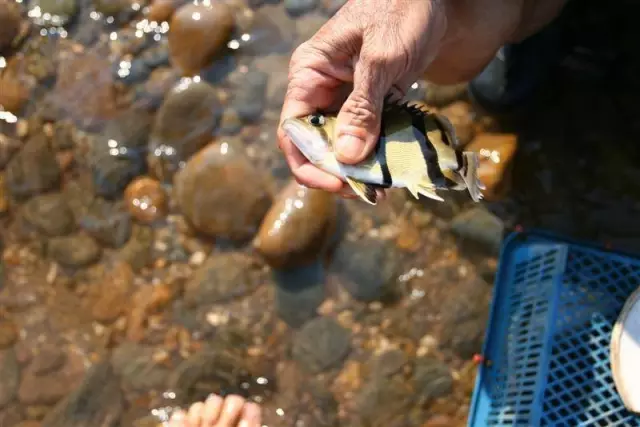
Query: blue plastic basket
554, 305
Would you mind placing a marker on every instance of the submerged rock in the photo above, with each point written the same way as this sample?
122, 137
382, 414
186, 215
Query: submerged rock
367, 267
298, 227
298, 8
321, 344
495, 153
34, 169
184, 124
298, 293
49, 214
10, 22
119, 154
224, 277
135, 365
198, 33
221, 194
146, 200
480, 226
107, 222
54, 13
9, 376
13, 93
77, 250
460, 115
98, 402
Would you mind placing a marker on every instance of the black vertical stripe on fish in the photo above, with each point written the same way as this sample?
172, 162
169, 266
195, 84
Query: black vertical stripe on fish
445, 136
387, 181
428, 150
460, 160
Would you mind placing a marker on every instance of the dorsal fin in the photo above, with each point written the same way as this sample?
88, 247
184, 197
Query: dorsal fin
414, 110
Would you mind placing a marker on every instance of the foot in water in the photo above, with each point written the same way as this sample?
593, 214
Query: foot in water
230, 411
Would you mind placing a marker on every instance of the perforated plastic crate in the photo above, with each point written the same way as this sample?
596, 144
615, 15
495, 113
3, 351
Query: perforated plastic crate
547, 341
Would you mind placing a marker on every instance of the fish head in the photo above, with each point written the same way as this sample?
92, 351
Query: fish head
313, 134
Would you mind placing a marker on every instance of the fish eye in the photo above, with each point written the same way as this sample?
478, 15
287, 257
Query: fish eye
316, 120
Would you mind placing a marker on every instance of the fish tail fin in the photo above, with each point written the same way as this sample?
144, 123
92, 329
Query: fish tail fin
469, 175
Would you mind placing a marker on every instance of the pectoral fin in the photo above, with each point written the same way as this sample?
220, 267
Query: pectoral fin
366, 192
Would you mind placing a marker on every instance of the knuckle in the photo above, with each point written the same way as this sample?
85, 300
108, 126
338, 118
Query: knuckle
361, 109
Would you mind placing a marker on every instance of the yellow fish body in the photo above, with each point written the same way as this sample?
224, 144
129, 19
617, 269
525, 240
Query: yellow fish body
416, 150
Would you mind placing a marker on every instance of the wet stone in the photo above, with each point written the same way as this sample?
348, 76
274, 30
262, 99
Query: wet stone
49, 387
221, 194
10, 22
480, 226
49, 214
298, 293
213, 369
298, 8
184, 124
250, 95
194, 43
432, 379
137, 252
389, 363
135, 365
97, 402
78, 250
107, 222
8, 147
119, 154
47, 360
9, 376
146, 200
53, 13
495, 154
12, 415
321, 344
230, 123
224, 277
384, 402
460, 115
367, 268
298, 227
34, 169
13, 93
8, 329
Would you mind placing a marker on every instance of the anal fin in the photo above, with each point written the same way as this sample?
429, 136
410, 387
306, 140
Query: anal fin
423, 186
366, 191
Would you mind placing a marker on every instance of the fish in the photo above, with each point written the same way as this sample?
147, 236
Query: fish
417, 149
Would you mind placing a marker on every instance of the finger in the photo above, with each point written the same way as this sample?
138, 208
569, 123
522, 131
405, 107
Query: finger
231, 410
251, 416
177, 419
194, 416
212, 409
358, 123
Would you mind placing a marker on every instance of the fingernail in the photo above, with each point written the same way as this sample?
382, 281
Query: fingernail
349, 146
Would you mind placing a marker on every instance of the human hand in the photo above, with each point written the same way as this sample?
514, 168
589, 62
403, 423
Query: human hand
353, 61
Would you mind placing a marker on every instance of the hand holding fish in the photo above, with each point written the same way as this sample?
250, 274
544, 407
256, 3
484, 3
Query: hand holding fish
372, 48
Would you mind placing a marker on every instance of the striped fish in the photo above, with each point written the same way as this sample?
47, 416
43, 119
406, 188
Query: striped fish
417, 150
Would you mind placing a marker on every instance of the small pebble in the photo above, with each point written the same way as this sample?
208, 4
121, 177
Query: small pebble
146, 200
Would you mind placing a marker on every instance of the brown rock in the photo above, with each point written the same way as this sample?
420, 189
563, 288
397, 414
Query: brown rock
183, 125
162, 10
9, 23
29, 423
298, 227
13, 93
460, 115
496, 153
50, 388
221, 194
198, 33
146, 200
4, 196
34, 169
9, 376
113, 293
84, 91
8, 333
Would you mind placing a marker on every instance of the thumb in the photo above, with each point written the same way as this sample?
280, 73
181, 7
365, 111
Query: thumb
358, 122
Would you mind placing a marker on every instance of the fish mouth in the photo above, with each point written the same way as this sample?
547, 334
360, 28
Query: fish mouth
310, 143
